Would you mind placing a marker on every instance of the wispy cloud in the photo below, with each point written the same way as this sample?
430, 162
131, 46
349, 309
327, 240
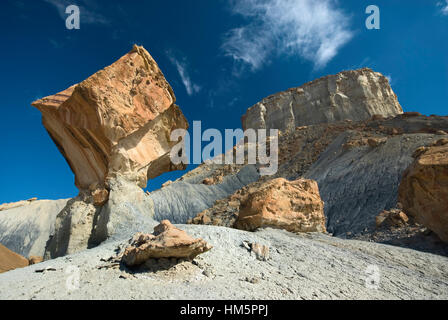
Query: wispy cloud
443, 7
181, 66
89, 10
312, 29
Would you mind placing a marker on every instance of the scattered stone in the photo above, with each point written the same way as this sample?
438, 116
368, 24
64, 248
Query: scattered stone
35, 260
253, 280
100, 197
261, 251
45, 270
391, 218
167, 241
375, 142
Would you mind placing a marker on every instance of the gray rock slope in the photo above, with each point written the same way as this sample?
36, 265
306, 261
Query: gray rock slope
308, 266
25, 230
357, 184
184, 199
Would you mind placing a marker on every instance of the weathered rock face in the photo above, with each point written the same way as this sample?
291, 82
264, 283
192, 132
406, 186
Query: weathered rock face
118, 121
423, 190
291, 205
353, 95
26, 229
10, 260
167, 241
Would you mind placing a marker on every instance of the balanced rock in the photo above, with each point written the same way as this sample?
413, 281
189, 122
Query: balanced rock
350, 95
10, 260
118, 121
167, 241
423, 190
295, 206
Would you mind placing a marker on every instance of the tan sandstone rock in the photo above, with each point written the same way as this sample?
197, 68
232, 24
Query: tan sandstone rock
423, 190
10, 260
35, 260
167, 241
118, 121
392, 218
349, 95
295, 206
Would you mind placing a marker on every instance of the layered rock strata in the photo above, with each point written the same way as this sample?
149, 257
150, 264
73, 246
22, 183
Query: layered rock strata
349, 95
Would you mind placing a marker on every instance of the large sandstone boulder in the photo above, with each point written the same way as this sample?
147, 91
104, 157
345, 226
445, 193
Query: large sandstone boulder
353, 95
118, 121
167, 241
10, 260
291, 205
423, 190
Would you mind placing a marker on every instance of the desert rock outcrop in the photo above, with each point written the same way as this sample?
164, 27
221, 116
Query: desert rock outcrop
118, 121
291, 205
424, 188
349, 95
167, 241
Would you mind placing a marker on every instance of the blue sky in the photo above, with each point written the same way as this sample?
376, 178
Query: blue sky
220, 57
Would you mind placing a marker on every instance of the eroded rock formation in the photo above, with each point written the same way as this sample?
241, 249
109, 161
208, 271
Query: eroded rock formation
291, 205
349, 95
167, 241
114, 131
118, 121
424, 188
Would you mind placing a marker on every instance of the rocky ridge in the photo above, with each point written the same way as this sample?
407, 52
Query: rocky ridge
349, 95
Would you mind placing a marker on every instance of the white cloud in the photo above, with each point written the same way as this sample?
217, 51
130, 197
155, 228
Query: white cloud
312, 29
181, 67
89, 10
444, 7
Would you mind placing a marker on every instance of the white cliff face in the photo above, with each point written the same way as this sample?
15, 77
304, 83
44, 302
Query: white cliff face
353, 95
